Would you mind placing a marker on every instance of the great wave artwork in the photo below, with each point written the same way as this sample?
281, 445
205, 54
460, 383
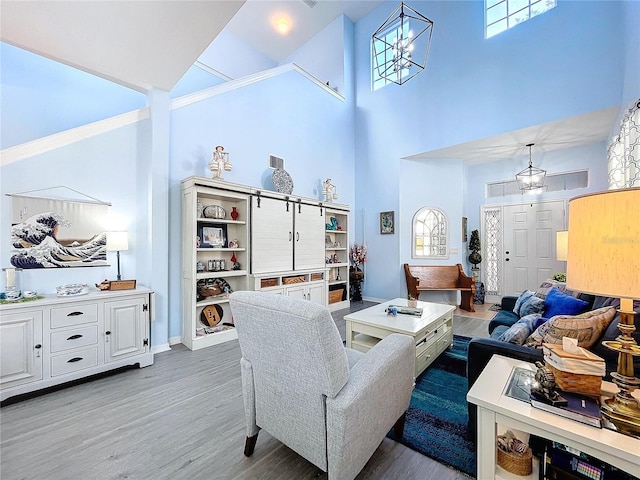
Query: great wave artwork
54, 233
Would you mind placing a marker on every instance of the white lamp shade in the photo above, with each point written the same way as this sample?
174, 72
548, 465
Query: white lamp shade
117, 241
603, 256
562, 243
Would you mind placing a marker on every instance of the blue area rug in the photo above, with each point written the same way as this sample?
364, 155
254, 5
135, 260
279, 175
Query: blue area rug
436, 424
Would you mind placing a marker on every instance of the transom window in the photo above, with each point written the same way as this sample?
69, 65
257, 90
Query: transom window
430, 234
500, 15
381, 62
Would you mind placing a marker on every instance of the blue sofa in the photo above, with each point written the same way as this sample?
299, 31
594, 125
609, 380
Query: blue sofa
482, 349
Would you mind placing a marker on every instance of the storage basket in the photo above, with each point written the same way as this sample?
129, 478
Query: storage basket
517, 463
316, 276
335, 295
293, 280
268, 282
577, 383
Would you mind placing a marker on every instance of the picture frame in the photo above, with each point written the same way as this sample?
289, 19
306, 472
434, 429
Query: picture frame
327, 241
213, 236
387, 223
464, 229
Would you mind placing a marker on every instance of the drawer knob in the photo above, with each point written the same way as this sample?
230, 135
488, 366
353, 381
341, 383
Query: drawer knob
74, 337
74, 314
74, 359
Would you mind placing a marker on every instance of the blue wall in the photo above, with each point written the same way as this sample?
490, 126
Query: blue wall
41, 97
540, 71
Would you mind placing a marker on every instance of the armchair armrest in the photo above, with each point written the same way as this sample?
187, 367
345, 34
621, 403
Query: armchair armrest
376, 395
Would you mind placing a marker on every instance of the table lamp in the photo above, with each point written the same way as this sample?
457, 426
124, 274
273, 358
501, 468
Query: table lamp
117, 241
603, 258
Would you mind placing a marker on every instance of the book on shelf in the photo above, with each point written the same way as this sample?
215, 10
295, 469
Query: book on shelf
580, 408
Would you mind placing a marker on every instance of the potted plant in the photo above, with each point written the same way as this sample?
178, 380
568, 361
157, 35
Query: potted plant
412, 301
474, 245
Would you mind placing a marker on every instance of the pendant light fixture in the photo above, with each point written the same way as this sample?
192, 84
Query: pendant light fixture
531, 178
401, 45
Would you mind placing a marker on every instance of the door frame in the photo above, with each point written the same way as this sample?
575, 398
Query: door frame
492, 296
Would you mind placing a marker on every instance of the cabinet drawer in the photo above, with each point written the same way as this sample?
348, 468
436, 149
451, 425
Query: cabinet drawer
74, 315
77, 337
426, 357
74, 361
445, 340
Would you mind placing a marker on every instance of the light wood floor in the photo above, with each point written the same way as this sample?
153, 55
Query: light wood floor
181, 418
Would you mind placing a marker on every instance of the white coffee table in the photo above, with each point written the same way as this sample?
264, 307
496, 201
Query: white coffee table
432, 332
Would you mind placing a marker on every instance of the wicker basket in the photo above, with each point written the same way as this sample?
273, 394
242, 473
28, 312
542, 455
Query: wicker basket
268, 282
335, 295
514, 463
293, 280
577, 383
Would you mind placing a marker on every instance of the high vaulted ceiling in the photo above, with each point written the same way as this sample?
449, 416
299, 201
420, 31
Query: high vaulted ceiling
151, 44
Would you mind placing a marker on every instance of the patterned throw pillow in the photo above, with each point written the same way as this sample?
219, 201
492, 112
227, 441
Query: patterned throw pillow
531, 305
547, 285
519, 331
586, 328
524, 296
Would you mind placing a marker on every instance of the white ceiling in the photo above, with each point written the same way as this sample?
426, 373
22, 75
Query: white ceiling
569, 132
151, 44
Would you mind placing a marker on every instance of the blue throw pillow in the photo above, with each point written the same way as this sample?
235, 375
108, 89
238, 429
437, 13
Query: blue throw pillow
532, 305
558, 303
521, 299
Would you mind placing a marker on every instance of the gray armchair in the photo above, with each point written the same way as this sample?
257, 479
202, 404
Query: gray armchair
330, 404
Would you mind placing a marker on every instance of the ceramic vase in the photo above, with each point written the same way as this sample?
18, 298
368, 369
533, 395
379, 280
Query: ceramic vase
234, 213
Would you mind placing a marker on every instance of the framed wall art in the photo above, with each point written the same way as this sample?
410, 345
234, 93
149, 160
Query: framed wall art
387, 223
464, 229
213, 236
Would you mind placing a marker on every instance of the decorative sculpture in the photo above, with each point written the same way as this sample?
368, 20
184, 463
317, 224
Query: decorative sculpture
219, 163
329, 191
544, 387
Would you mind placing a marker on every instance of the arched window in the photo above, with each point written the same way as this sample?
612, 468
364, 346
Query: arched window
430, 234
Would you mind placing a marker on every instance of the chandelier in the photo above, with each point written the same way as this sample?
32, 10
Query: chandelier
398, 49
531, 178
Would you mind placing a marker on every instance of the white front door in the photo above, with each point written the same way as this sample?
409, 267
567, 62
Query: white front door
529, 244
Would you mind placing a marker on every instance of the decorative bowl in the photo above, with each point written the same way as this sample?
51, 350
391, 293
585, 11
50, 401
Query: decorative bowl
72, 289
214, 211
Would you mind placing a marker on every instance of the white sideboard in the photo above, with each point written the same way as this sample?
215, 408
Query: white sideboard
54, 340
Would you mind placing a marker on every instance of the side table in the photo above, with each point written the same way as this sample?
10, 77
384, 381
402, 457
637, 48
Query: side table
496, 409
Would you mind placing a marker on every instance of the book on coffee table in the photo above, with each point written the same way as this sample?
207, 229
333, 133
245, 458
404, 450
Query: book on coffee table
417, 311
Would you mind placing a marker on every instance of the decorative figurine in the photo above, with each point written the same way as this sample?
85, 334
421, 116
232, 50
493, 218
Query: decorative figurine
544, 387
329, 191
219, 163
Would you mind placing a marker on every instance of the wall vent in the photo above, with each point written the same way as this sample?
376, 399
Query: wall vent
276, 162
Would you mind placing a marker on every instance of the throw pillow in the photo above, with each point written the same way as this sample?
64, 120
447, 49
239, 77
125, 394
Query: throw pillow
519, 331
547, 285
531, 305
586, 328
558, 303
521, 299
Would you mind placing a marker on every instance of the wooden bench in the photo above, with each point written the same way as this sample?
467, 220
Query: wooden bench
440, 277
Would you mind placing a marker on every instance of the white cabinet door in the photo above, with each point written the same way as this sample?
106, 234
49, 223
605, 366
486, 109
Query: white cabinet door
317, 293
314, 293
20, 348
126, 328
309, 237
271, 235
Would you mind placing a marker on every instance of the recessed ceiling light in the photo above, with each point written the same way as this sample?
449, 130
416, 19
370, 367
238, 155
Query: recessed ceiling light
282, 23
